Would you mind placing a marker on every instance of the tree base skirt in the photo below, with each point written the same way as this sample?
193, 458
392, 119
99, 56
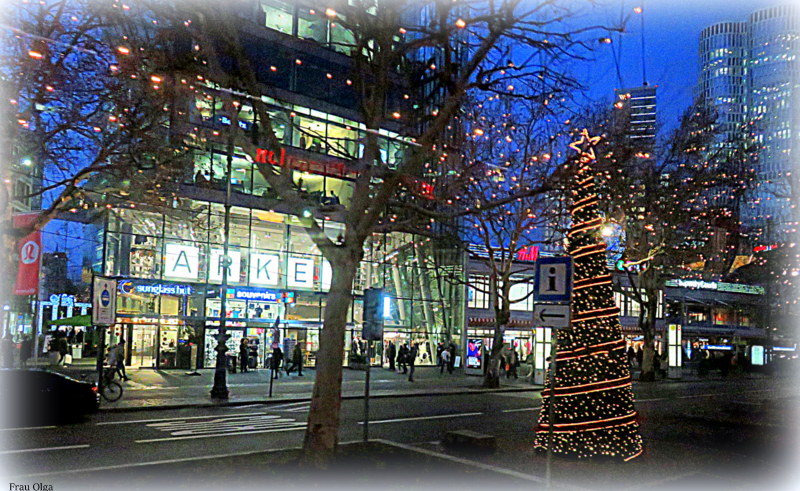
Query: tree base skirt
621, 444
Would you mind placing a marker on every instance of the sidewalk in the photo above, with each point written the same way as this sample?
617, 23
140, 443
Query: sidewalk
172, 389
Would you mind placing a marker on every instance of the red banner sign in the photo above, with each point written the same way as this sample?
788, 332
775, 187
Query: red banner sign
29, 250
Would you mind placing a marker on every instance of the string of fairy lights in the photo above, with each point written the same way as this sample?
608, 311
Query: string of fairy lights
591, 394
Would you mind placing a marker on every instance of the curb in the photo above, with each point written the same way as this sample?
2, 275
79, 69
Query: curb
288, 400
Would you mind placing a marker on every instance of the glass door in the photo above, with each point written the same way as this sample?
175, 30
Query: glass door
143, 348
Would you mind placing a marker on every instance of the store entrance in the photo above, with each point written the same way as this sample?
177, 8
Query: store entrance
143, 346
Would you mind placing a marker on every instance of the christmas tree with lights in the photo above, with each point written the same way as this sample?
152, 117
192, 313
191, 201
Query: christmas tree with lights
593, 410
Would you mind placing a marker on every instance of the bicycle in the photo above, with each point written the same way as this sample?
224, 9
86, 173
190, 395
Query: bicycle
111, 389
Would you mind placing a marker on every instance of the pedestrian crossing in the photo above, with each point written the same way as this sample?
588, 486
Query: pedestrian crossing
184, 429
292, 407
225, 425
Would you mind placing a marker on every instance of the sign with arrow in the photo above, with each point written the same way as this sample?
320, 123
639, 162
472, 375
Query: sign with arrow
551, 315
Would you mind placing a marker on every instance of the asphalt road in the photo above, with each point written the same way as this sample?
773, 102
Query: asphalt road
735, 433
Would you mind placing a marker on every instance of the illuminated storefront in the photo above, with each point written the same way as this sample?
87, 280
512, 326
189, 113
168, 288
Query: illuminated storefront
169, 265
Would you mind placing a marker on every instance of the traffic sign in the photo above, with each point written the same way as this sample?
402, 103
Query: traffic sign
553, 281
551, 315
104, 305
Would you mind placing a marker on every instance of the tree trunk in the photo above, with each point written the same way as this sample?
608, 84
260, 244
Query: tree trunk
322, 436
491, 379
649, 286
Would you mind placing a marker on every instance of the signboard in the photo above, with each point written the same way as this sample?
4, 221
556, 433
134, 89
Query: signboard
29, 250
300, 273
129, 287
474, 353
719, 286
219, 263
104, 301
757, 355
547, 315
553, 281
245, 293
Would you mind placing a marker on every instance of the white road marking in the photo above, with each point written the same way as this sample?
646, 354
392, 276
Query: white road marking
223, 426
471, 463
23, 428
44, 449
421, 418
176, 419
301, 426
293, 407
522, 409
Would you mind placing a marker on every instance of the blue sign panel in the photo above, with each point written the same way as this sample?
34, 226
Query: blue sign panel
553, 282
128, 287
246, 293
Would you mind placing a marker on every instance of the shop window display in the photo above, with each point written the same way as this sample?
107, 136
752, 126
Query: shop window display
311, 26
278, 15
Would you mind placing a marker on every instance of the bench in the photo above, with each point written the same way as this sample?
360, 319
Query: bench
468, 440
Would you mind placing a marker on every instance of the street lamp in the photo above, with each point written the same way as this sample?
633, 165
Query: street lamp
220, 388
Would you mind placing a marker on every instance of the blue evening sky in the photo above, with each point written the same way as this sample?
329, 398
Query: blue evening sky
672, 30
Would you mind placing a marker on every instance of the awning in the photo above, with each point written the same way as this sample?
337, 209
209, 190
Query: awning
78, 320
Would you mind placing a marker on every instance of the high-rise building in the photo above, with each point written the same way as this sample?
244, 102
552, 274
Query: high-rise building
639, 105
749, 76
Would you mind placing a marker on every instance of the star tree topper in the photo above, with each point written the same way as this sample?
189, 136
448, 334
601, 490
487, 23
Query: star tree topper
585, 146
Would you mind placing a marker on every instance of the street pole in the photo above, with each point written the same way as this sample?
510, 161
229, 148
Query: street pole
220, 388
101, 349
366, 393
551, 407
271, 373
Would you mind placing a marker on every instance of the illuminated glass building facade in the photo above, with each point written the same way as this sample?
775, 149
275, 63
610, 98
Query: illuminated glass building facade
168, 256
749, 75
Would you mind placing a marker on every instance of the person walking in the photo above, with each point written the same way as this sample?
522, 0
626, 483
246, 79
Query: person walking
62, 347
412, 359
391, 352
25, 351
402, 358
244, 354
120, 359
453, 350
513, 363
297, 360
444, 361
277, 358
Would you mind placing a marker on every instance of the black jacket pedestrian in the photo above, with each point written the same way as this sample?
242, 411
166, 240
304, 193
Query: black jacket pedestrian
412, 358
402, 358
391, 353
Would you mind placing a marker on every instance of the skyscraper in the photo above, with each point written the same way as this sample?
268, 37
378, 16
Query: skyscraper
749, 76
639, 104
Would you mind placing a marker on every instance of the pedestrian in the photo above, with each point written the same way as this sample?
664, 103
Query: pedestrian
640, 356
439, 350
120, 359
412, 358
631, 355
25, 351
62, 347
277, 358
8, 351
513, 363
391, 352
445, 361
402, 358
244, 354
452, 364
297, 360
